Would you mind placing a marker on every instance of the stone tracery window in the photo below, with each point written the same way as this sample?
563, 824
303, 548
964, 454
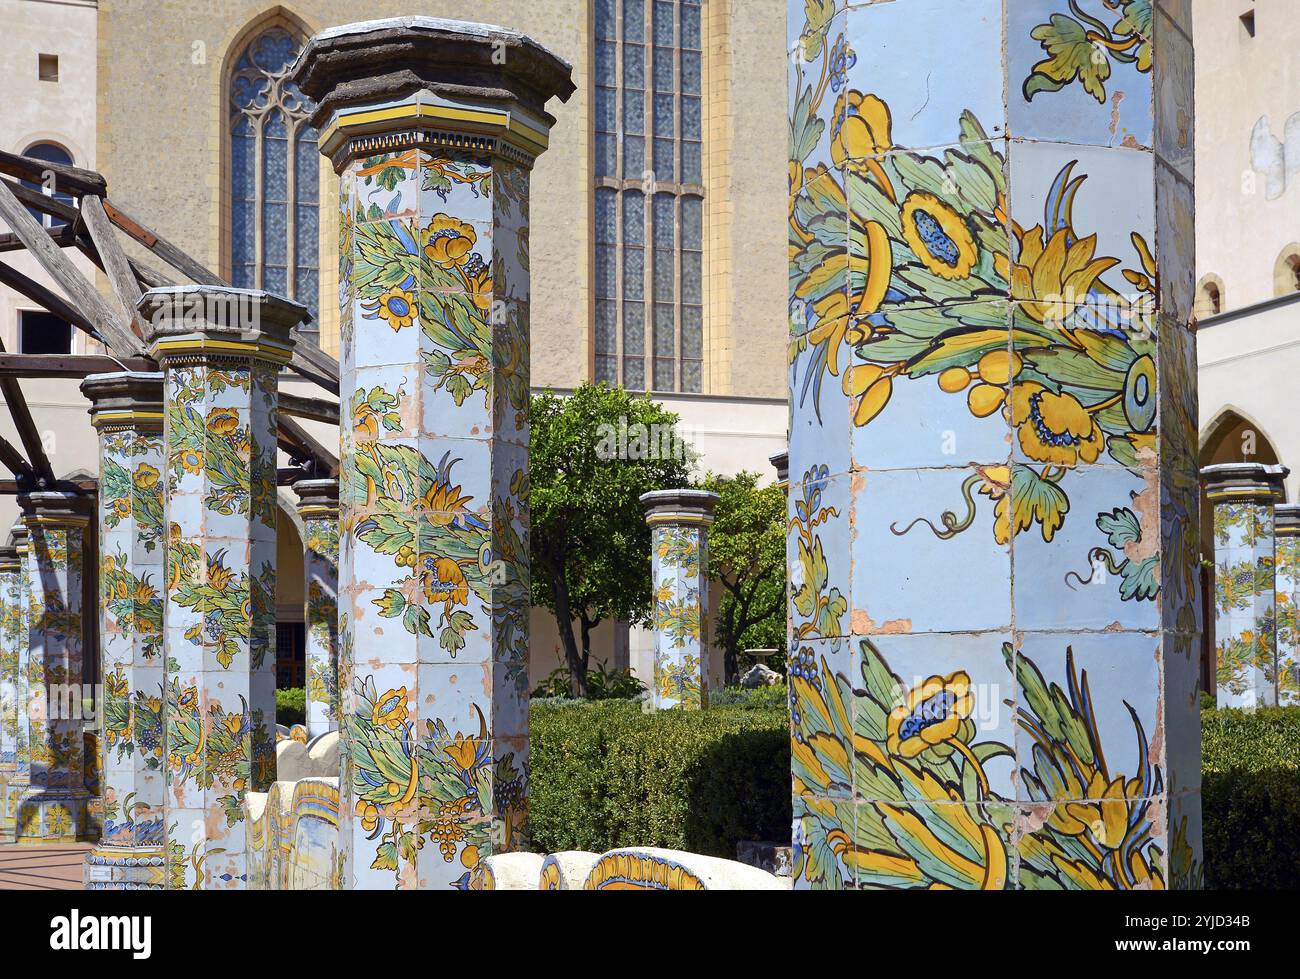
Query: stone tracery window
649, 236
274, 173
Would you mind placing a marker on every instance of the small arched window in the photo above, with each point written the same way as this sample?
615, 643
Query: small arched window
48, 153
274, 173
1209, 297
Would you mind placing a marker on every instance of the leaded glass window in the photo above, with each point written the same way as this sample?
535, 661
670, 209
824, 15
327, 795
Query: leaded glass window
649, 236
274, 172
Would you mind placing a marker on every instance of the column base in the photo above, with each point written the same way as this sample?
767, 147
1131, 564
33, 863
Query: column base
125, 868
52, 816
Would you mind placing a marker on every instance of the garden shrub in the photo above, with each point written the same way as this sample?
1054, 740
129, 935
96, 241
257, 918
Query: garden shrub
607, 774
291, 706
1250, 796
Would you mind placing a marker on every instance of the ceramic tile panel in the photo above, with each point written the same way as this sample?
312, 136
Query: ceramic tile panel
1286, 602
992, 445
10, 707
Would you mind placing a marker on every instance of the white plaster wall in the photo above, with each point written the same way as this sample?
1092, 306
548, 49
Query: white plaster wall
60, 112
1240, 80
1252, 366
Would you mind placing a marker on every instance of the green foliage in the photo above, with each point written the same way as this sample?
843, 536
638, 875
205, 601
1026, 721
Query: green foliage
291, 706
603, 684
589, 542
777, 695
608, 774
1250, 794
747, 555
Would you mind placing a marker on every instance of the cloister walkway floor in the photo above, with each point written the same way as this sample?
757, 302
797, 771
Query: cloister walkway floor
42, 868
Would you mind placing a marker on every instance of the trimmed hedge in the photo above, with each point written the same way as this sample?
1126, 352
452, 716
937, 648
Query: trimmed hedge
291, 706
1250, 796
607, 774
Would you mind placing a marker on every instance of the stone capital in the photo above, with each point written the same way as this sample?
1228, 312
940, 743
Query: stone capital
1286, 520
199, 322
1243, 482
18, 536
317, 498
681, 507
54, 509
386, 84
129, 399
9, 559
781, 463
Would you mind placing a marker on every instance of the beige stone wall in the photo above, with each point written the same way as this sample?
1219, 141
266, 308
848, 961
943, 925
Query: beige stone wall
162, 112
162, 102
61, 112
1247, 88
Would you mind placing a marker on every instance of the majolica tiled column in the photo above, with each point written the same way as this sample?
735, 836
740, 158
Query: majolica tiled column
1245, 588
10, 705
21, 776
993, 497
318, 505
433, 126
127, 411
52, 808
1286, 533
220, 350
679, 551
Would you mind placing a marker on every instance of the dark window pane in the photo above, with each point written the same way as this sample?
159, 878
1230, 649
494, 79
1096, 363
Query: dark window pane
633, 20
43, 333
48, 153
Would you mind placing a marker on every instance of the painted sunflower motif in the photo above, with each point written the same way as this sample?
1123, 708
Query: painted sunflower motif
192, 461
931, 716
146, 476
442, 581
448, 240
1054, 428
396, 307
390, 709
938, 236
222, 421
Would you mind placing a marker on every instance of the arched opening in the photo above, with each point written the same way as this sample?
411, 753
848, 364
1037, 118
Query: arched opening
48, 152
272, 188
1231, 437
1286, 271
1209, 297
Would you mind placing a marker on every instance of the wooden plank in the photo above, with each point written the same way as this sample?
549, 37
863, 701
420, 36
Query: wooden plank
145, 274
28, 434
61, 237
13, 460
115, 263
71, 180
43, 202
69, 365
313, 409
12, 487
316, 365
304, 448
163, 248
61, 269
51, 301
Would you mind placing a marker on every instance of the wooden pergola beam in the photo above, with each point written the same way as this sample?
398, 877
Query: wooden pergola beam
13, 460
115, 263
312, 409
73, 180
69, 365
42, 202
28, 434
61, 269
161, 247
60, 237
12, 487
316, 365
51, 301
304, 449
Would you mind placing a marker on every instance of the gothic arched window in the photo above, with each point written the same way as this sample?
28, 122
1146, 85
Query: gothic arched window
274, 174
